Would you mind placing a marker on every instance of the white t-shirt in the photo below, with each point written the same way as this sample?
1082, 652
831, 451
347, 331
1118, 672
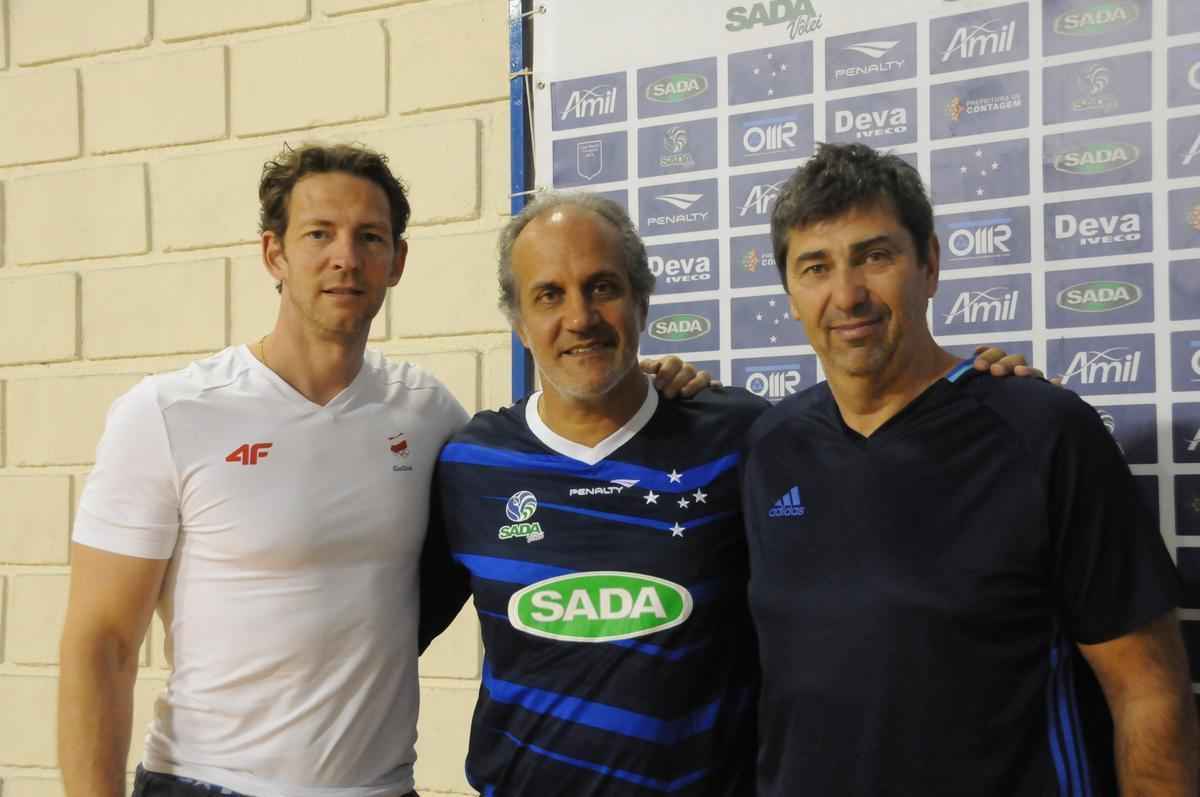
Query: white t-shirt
291, 600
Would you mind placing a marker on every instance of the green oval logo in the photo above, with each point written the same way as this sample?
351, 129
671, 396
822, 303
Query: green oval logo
677, 88
1101, 18
1097, 158
599, 606
679, 327
1099, 296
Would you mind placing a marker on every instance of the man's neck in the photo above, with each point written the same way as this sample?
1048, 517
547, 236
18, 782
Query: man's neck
318, 367
868, 402
589, 422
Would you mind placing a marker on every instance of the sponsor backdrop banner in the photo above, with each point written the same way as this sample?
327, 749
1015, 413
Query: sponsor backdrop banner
1060, 140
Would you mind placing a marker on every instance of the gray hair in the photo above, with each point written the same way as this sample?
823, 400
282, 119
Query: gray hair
637, 267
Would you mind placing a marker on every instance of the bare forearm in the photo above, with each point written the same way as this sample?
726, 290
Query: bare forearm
1158, 748
95, 714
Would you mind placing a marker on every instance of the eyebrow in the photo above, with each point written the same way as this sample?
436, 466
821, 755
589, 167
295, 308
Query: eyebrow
318, 222
855, 248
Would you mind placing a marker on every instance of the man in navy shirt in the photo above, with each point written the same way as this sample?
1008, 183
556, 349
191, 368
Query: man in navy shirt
599, 530
932, 549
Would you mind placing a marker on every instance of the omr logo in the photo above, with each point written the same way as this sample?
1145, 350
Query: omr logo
249, 454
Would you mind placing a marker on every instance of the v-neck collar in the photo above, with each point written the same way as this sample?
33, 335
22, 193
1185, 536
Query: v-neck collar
589, 455
297, 398
956, 376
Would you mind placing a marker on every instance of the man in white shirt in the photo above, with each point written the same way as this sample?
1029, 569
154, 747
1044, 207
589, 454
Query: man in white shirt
270, 501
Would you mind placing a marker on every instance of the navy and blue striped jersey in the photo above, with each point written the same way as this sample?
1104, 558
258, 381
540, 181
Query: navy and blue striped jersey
610, 585
919, 594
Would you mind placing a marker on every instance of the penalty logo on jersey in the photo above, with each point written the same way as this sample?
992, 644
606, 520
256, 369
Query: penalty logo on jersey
599, 606
519, 509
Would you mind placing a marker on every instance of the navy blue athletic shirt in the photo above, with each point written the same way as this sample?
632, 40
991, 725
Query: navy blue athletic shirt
918, 593
620, 657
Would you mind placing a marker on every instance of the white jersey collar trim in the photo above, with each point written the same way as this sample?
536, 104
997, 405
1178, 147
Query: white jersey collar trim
590, 455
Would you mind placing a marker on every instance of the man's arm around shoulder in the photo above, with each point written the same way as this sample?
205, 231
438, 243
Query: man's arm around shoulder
1145, 678
112, 599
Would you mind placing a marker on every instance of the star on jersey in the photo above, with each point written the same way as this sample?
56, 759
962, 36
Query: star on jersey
674, 476
700, 496
684, 503
651, 497
677, 530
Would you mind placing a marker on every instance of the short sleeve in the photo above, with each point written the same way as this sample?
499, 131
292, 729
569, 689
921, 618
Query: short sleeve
1112, 569
130, 504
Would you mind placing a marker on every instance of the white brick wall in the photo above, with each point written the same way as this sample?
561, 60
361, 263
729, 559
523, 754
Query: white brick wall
129, 245
47, 126
137, 103
317, 77
50, 30
84, 213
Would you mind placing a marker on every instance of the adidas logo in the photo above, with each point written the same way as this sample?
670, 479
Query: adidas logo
789, 505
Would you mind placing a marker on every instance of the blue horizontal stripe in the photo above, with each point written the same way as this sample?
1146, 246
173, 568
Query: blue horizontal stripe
960, 369
508, 571
606, 471
648, 782
629, 520
600, 715
633, 644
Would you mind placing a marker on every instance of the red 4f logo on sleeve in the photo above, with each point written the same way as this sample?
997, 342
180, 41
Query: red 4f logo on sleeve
249, 453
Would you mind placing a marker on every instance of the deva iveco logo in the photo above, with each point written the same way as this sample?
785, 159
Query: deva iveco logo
681, 269
679, 327
799, 15
1098, 19
677, 88
1097, 158
1096, 230
598, 606
1099, 296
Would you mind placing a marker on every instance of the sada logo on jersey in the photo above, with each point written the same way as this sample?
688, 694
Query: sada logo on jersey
800, 16
1098, 227
599, 606
682, 327
519, 508
677, 88
1084, 24
979, 39
984, 237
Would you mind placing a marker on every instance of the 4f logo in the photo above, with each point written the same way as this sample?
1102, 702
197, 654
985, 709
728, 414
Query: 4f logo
249, 453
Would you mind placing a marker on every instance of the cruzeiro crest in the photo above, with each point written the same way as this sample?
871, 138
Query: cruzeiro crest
519, 509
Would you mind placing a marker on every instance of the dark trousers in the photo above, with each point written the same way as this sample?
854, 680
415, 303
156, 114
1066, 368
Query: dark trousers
156, 784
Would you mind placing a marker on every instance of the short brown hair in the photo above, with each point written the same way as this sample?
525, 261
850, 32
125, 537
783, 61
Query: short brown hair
279, 177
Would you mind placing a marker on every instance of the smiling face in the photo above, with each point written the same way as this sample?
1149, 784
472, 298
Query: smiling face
575, 306
337, 258
858, 286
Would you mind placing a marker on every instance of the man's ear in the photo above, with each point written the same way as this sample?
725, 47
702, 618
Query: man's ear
273, 257
519, 330
398, 263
